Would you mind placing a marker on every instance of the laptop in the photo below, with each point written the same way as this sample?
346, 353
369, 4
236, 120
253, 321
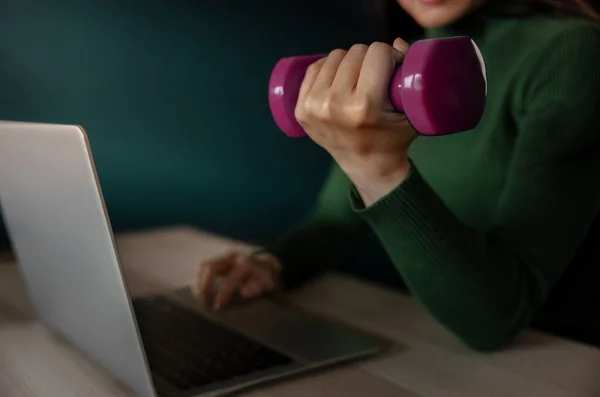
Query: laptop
161, 345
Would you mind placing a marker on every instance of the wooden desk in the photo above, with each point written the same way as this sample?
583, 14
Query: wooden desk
426, 361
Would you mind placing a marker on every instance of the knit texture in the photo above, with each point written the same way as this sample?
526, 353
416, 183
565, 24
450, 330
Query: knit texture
489, 219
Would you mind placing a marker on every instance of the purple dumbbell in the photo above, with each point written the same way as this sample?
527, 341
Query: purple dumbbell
440, 86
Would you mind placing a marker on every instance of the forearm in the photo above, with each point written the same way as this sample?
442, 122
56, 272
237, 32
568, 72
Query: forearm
463, 277
311, 249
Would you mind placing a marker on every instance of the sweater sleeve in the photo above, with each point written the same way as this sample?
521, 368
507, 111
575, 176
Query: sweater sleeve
323, 240
486, 286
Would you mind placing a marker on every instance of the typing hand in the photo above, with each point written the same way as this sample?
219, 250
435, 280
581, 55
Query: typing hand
248, 276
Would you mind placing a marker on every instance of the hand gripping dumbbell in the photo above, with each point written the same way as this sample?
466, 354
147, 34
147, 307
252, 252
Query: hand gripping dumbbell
440, 87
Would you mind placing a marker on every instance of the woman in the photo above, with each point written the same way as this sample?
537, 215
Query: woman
493, 229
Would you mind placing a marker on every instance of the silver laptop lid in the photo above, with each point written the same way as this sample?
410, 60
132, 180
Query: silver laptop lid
56, 218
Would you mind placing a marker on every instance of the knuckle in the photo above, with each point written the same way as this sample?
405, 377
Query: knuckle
380, 52
300, 113
313, 68
359, 48
330, 105
337, 53
360, 114
336, 107
310, 108
338, 103
378, 46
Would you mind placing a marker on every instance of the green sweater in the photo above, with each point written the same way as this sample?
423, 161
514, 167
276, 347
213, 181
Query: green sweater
489, 220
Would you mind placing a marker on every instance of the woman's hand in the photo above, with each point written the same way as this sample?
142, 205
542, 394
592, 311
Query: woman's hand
344, 107
246, 275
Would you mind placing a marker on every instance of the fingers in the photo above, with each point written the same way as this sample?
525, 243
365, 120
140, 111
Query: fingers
210, 271
378, 66
366, 69
309, 79
264, 278
237, 276
261, 281
240, 274
251, 289
329, 69
349, 69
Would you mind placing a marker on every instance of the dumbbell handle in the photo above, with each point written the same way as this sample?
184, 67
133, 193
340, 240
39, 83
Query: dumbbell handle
279, 87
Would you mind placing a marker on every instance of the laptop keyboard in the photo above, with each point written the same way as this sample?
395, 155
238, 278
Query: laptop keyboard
190, 351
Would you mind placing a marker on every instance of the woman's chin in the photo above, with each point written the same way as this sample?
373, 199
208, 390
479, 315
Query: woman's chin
432, 20
438, 13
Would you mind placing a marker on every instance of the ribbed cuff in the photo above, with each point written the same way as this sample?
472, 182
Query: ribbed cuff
412, 219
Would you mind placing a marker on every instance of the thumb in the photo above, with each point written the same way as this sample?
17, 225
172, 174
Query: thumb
400, 45
400, 48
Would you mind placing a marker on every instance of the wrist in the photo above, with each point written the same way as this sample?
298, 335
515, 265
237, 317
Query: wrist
375, 183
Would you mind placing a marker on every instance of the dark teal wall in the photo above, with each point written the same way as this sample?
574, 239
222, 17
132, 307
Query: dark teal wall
173, 96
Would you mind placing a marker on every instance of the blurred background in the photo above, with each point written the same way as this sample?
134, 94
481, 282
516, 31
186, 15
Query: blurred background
173, 95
